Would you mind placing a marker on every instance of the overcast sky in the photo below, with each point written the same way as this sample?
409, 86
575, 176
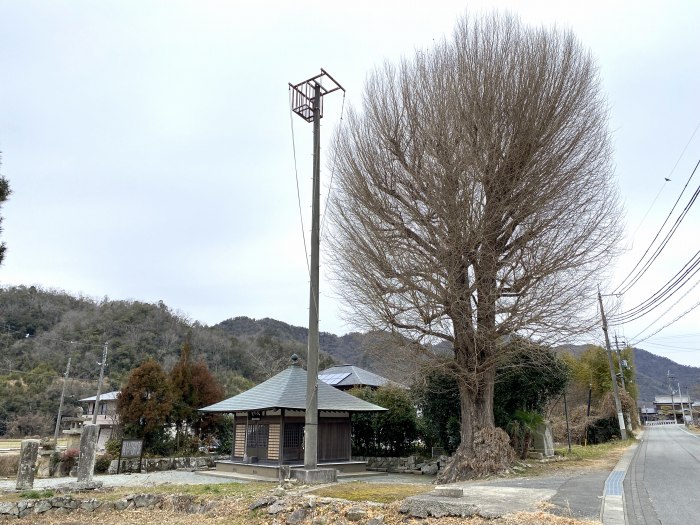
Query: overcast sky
148, 144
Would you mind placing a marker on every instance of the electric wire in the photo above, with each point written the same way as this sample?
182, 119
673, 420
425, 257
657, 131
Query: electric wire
668, 309
651, 206
668, 177
668, 324
334, 165
622, 287
690, 269
296, 176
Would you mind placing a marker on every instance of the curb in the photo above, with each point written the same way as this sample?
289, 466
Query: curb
612, 511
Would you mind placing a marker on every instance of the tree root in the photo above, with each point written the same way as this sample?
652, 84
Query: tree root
491, 454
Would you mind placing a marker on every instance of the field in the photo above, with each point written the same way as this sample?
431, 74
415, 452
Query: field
13, 445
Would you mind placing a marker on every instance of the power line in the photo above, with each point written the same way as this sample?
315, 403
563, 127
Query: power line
667, 178
296, 176
622, 287
335, 163
668, 309
662, 294
670, 323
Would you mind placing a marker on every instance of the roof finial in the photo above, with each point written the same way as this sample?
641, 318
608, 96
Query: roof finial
295, 360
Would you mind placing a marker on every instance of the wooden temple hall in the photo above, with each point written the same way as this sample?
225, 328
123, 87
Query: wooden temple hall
269, 425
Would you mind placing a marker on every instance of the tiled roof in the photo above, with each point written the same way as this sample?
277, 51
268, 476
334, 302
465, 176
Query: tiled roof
356, 376
288, 390
107, 396
666, 400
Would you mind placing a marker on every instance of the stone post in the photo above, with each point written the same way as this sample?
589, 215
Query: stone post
86, 460
27, 460
542, 441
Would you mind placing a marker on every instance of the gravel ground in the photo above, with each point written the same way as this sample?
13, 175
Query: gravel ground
175, 477
185, 477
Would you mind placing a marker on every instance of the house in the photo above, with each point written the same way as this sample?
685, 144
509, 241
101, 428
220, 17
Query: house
345, 377
673, 407
269, 425
106, 415
647, 414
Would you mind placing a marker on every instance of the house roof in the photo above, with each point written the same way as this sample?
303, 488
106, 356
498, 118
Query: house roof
107, 396
350, 375
288, 390
666, 400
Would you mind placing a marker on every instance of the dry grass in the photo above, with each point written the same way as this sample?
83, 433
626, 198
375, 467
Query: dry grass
592, 457
235, 512
8, 465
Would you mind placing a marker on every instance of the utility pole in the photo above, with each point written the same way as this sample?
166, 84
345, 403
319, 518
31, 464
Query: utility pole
307, 102
60, 404
680, 400
99, 384
616, 393
620, 361
671, 378
690, 404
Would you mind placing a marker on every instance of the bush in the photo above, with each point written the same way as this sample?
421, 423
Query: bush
9, 464
390, 433
113, 447
68, 460
102, 463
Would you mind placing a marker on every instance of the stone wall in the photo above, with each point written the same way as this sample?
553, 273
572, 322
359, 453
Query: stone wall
161, 464
407, 465
66, 503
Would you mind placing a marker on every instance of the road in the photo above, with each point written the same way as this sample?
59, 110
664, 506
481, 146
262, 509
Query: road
662, 480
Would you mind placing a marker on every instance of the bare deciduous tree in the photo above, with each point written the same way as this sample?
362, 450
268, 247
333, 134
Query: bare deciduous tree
475, 200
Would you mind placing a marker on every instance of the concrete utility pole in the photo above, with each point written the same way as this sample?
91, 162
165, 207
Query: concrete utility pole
307, 102
619, 360
690, 404
671, 377
616, 393
680, 400
99, 384
60, 404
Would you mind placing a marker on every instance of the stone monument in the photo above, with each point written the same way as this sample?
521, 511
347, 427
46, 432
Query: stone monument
27, 460
86, 460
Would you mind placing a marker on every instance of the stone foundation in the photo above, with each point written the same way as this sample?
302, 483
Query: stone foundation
407, 465
67, 503
161, 464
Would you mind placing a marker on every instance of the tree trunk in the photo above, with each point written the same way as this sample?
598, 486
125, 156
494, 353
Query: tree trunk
484, 449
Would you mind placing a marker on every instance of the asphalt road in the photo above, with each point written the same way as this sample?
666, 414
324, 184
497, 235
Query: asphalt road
663, 478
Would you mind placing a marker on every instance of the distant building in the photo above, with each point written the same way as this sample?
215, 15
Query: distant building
647, 414
345, 377
673, 407
106, 415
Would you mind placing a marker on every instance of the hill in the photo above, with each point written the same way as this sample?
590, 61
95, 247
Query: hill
40, 329
376, 351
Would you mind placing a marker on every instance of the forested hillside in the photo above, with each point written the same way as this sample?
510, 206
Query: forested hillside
41, 329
